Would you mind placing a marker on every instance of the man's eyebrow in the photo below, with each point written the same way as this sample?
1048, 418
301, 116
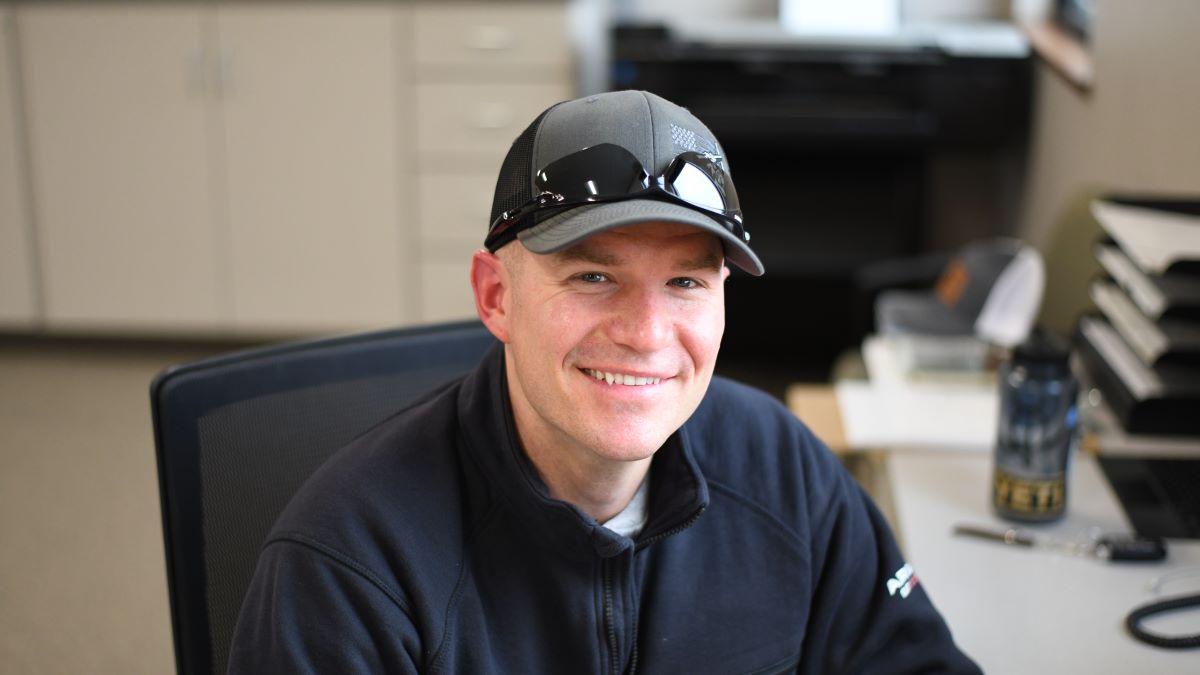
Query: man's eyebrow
587, 254
709, 261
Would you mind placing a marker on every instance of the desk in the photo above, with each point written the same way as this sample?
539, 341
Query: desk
1020, 611
1012, 609
817, 406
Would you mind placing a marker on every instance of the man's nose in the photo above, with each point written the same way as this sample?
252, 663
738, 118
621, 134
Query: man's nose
642, 320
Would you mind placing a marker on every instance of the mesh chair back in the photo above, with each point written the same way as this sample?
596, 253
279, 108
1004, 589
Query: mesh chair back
237, 435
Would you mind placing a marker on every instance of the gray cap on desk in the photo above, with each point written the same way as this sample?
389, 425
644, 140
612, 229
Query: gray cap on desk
991, 290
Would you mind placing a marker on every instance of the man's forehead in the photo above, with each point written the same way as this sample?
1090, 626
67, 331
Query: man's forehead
703, 252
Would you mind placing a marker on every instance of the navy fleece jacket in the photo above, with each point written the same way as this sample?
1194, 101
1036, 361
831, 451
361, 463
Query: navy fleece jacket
429, 544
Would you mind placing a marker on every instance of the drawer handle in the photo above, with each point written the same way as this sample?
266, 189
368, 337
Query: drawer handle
493, 116
490, 38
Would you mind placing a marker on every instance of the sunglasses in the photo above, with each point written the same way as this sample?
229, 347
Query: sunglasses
609, 173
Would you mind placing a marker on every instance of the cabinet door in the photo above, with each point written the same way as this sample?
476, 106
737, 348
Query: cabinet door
120, 165
310, 109
17, 303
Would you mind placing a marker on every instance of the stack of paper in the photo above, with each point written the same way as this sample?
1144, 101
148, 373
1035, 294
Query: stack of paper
895, 410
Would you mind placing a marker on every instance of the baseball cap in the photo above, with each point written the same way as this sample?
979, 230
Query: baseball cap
991, 290
651, 128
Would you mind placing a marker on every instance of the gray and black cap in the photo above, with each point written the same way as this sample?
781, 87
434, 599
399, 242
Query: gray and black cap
651, 128
991, 289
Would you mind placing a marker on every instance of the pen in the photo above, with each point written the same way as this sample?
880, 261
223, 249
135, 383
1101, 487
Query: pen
1113, 548
1011, 536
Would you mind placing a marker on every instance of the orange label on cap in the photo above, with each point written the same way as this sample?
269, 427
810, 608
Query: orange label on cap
952, 283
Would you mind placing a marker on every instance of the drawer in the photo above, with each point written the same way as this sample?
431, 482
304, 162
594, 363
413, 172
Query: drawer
455, 206
512, 35
446, 291
478, 120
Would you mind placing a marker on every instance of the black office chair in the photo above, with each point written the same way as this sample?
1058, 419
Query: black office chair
237, 435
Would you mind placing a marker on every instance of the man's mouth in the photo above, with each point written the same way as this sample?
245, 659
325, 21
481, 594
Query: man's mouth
624, 379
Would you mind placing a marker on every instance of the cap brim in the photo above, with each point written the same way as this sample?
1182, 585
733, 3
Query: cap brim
567, 228
920, 313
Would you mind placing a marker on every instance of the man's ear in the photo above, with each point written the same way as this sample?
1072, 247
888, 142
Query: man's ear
493, 286
724, 272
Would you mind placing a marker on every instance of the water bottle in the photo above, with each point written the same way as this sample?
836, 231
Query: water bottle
1038, 430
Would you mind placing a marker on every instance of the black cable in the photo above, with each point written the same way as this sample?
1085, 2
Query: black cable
1133, 621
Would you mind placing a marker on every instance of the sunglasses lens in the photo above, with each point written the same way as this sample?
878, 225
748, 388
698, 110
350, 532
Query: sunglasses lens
693, 185
700, 181
604, 170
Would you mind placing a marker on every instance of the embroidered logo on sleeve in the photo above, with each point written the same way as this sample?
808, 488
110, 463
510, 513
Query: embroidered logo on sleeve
903, 581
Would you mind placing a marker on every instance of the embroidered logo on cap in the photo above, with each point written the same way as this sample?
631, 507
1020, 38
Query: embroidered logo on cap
690, 141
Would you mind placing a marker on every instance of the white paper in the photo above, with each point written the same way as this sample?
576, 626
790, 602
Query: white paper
983, 39
846, 16
1146, 340
1142, 382
1153, 239
1140, 288
918, 416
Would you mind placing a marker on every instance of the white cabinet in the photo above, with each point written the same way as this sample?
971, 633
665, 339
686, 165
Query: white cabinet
476, 123
230, 167
121, 162
493, 41
18, 304
311, 118
484, 71
260, 168
455, 207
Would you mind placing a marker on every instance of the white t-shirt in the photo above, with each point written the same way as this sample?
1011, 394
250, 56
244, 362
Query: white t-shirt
632, 518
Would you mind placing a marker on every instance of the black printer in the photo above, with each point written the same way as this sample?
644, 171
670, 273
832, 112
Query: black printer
833, 142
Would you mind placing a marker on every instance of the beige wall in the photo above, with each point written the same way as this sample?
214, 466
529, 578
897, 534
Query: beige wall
1138, 129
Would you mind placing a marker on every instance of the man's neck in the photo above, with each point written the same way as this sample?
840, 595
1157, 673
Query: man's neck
601, 488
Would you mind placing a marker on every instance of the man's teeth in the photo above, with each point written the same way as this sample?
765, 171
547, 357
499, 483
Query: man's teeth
618, 378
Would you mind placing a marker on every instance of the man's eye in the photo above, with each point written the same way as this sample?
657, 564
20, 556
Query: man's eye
592, 277
685, 282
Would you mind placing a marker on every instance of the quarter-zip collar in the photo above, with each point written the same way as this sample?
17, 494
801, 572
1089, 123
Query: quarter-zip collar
678, 492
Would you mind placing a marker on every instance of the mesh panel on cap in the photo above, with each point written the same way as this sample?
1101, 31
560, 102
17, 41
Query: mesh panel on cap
514, 185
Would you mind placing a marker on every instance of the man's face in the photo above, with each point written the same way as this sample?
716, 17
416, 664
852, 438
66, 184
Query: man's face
612, 342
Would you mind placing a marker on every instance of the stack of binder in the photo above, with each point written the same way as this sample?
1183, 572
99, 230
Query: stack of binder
1143, 349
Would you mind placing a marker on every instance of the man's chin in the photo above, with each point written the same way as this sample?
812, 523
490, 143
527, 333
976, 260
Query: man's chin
630, 449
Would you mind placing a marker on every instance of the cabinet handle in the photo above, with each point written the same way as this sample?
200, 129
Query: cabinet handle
490, 38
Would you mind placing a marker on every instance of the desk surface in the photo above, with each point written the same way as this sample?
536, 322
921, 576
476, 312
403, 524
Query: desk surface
1016, 610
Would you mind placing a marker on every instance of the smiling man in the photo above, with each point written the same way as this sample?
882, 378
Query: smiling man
591, 498
611, 346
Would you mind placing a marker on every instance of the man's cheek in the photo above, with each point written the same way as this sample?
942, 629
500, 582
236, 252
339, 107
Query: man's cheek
562, 313
710, 330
